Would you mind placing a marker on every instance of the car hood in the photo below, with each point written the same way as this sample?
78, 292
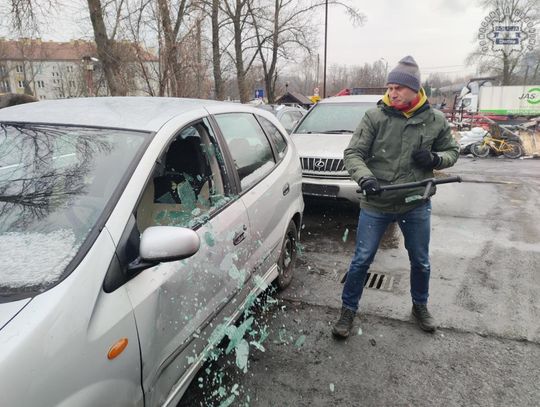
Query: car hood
8, 310
321, 145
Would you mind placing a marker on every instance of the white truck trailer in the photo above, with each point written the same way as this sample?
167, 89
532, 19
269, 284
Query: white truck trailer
503, 101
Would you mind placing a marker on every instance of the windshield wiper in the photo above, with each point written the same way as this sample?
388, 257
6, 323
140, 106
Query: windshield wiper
337, 131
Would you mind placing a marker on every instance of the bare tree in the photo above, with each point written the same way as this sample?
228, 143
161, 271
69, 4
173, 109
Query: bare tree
287, 32
338, 78
24, 15
219, 83
174, 28
107, 47
369, 75
240, 17
139, 25
307, 74
171, 29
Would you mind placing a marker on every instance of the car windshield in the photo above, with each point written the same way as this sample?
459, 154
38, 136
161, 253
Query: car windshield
55, 182
333, 118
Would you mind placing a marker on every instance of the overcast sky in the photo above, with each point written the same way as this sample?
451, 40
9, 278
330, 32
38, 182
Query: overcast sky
439, 34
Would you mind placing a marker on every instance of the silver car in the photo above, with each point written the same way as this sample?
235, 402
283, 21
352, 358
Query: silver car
134, 232
288, 116
321, 137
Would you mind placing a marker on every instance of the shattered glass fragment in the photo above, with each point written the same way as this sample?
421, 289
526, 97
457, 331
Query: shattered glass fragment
300, 341
345, 235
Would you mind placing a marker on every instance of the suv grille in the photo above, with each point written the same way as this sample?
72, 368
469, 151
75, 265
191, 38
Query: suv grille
325, 167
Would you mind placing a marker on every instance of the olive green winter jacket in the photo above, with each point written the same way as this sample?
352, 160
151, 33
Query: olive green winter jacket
382, 147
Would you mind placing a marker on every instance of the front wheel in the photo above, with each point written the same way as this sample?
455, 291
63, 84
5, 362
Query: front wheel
480, 149
287, 258
514, 150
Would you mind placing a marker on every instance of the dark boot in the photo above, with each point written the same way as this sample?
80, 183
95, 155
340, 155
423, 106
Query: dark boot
343, 326
423, 318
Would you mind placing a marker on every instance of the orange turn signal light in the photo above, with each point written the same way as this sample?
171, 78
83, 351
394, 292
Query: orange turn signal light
116, 349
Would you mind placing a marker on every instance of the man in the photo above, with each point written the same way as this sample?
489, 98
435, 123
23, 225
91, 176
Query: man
401, 140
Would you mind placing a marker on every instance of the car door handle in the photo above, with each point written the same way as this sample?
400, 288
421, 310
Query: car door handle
286, 189
239, 236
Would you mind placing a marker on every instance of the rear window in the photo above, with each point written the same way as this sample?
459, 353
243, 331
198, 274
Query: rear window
334, 118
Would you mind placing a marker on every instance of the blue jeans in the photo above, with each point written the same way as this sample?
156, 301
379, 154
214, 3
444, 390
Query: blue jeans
415, 226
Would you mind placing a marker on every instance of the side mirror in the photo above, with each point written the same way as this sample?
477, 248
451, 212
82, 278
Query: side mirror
165, 243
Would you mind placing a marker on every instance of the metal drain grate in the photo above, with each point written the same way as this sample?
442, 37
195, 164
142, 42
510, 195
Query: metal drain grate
379, 281
376, 281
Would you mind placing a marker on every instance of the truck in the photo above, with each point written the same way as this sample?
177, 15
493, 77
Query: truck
480, 97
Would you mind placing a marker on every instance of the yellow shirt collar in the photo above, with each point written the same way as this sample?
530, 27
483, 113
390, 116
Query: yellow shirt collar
410, 112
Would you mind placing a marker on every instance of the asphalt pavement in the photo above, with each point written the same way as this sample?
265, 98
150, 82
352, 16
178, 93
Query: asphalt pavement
485, 292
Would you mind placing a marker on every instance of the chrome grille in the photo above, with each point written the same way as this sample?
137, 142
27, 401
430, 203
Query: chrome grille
322, 164
325, 167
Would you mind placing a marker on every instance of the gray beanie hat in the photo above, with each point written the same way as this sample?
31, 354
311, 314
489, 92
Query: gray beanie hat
406, 73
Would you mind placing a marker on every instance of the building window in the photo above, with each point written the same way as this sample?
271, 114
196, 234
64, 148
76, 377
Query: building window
72, 84
3, 70
20, 84
40, 84
70, 68
19, 68
4, 86
43, 97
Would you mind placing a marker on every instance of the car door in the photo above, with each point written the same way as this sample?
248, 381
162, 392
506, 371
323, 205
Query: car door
264, 184
173, 301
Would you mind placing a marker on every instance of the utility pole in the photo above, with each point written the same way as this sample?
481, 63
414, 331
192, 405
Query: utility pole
325, 47
317, 78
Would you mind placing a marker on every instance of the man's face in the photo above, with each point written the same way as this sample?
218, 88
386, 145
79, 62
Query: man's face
400, 95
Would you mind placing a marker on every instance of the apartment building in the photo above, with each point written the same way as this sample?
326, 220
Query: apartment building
57, 70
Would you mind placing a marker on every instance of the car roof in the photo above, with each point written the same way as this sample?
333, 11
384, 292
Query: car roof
353, 99
140, 113
279, 108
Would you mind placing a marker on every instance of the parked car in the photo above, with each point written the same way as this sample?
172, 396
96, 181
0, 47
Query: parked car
289, 116
12, 99
134, 231
321, 137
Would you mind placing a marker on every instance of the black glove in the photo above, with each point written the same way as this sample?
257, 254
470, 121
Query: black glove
370, 186
426, 159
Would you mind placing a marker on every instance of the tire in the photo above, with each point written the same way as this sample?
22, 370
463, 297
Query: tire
287, 258
479, 149
515, 152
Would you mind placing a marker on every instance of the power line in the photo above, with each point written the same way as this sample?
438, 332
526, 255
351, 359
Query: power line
443, 66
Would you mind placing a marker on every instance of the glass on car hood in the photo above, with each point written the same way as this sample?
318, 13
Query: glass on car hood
55, 182
334, 118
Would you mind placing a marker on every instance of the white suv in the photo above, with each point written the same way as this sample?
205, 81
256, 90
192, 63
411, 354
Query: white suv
321, 138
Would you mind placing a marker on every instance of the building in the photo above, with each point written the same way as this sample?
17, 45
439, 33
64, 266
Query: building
294, 98
57, 70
